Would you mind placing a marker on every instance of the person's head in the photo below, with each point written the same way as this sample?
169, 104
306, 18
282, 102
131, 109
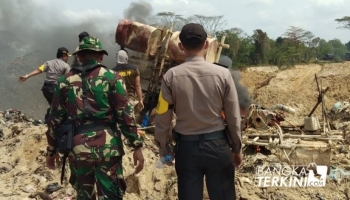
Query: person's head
193, 39
90, 48
63, 54
82, 35
123, 48
122, 57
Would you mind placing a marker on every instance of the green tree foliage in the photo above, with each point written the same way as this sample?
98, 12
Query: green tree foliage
348, 45
295, 46
241, 47
339, 49
261, 43
324, 48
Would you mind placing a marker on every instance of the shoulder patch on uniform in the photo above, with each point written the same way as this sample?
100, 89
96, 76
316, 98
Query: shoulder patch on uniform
162, 105
41, 68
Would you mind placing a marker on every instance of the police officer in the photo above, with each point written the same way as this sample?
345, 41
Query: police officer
198, 91
96, 107
54, 69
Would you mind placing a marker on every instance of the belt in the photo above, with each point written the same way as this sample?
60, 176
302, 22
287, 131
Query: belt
49, 86
95, 126
207, 136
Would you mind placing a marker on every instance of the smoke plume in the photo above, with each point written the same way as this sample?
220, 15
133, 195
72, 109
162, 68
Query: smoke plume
35, 29
139, 11
242, 91
46, 30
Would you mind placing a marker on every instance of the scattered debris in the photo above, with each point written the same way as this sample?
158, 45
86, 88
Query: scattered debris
52, 187
37, 122
5, 167
41, 195
1, 135
23, 146
29, 189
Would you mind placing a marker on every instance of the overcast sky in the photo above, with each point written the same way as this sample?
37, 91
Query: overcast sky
58, 22
272, 16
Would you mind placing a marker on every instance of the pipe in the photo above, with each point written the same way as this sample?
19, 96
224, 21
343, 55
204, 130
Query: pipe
282, 108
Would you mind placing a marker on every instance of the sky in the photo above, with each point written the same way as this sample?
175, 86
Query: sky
54, 23
272, 16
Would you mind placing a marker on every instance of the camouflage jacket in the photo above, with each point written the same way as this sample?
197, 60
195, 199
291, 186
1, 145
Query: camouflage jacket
108, 98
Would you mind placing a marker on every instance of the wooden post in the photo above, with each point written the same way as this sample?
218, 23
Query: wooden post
168, 35
154, 78
221, 45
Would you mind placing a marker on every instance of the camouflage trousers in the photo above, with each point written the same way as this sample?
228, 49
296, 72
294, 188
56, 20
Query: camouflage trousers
135, 111
105, 173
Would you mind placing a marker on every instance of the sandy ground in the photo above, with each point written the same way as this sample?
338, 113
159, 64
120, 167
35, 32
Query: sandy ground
23, 173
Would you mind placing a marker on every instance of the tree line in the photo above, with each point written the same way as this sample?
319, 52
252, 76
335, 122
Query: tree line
295, 46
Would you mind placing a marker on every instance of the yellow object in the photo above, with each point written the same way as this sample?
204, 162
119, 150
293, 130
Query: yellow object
41, 68
125, 73
162, 105
141, 133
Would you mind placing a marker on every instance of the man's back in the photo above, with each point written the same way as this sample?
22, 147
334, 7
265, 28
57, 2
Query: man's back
129, 74
198, 89
106, 96
54, 69
198, 92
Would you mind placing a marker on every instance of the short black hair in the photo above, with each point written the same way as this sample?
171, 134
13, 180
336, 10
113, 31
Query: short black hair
82, 35
61, 51
193, 44
193, 36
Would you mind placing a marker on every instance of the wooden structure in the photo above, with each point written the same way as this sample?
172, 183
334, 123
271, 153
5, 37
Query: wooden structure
155, 50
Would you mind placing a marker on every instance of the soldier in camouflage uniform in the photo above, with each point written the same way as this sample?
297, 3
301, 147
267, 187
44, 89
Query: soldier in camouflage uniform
97, 153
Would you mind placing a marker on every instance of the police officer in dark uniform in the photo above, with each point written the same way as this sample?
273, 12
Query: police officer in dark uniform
198, 91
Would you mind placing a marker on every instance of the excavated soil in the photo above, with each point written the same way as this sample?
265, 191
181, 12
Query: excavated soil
23, 173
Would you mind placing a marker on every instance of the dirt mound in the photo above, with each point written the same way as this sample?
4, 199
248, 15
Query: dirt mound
296, 86
24, 175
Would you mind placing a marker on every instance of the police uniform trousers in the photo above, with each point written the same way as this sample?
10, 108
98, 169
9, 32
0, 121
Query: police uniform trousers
198, 156
48, 90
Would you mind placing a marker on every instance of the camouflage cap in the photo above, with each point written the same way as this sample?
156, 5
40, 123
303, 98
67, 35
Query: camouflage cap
90, 43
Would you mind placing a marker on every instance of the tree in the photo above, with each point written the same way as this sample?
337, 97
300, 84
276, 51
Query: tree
169, 17
211, 24
324, 48
261, 46
300, 44
279, 41
348, 45
345, 21
339, 49
241, 46
315, 42
298, 35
